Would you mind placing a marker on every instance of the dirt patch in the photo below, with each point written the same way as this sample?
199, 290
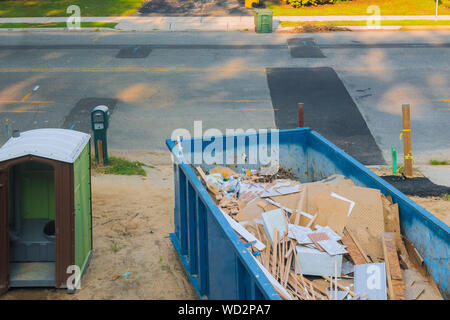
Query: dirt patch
194, 8
438, 206
132, 219
310, 28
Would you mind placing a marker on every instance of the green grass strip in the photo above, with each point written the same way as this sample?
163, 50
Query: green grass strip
359, 7
58, 8
121, 166
364, 23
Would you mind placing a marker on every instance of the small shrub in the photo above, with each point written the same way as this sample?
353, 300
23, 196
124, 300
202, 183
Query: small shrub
439, 162
120, 166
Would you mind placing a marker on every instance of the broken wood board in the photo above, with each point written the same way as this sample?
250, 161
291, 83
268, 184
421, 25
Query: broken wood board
392, 222
419, 287
331, 212
250, 212
343, 284
357, 256
414, 257
396, 285
289, 201
366, 218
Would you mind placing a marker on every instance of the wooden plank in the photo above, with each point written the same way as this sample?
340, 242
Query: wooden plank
396, 228
297, 263
300, 206
274, 251
277, 286
352, 249
316, 287
340, 286
396, 285
268, 254
348, 233
101, 160
312, 221
415, 257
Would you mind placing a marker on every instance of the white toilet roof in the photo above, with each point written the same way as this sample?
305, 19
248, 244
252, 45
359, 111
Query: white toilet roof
56, 144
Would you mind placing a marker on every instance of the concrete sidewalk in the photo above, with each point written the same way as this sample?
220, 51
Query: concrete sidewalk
231, 23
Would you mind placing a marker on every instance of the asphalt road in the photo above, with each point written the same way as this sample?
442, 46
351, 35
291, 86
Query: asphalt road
54, 79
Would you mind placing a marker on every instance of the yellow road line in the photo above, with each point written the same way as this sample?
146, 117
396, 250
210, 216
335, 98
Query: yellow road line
20, 111
26, 97
242, 100
128, 69
253, 109
15, 101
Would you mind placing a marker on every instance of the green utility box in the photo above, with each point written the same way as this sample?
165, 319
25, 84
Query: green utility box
263, 20
100, 122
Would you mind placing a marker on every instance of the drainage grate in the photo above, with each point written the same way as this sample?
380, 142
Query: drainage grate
134, 52
304, 48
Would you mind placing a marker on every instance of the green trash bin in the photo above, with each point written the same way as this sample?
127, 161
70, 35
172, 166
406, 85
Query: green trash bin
263, 20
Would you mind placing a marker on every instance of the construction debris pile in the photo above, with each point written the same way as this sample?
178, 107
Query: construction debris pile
325, 240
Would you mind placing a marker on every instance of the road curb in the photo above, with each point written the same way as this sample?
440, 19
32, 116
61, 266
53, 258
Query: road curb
2, 30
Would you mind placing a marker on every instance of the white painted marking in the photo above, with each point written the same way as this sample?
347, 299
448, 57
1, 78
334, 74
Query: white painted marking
352, 203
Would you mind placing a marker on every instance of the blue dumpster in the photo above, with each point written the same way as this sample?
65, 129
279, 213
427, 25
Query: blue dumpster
216, 261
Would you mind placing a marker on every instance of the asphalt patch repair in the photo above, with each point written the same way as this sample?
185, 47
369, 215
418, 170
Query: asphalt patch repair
329, 109
304, 48
134, 52
79, 117
417, 186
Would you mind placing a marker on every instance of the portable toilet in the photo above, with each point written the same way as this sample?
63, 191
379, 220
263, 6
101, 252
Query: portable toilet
45, 209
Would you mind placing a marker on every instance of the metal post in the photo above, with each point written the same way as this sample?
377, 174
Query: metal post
437, 4
301, 115
101, 160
